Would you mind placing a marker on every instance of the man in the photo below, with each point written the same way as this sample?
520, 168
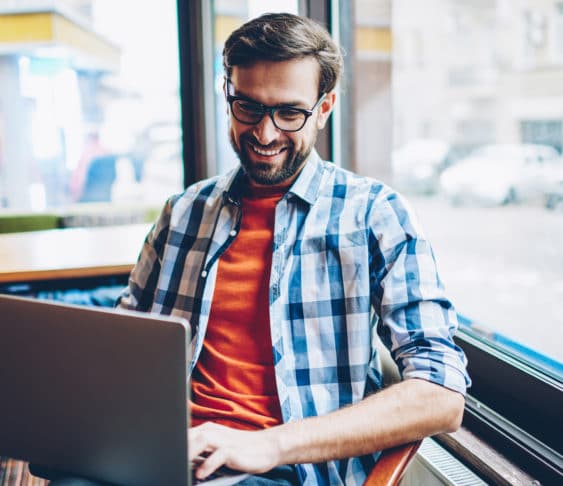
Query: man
278, 266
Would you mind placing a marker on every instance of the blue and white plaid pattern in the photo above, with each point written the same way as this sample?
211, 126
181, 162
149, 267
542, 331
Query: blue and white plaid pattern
344, 246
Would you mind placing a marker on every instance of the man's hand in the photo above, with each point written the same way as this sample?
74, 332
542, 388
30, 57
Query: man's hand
249, 451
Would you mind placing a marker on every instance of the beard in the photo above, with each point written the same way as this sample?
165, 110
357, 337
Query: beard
264, 173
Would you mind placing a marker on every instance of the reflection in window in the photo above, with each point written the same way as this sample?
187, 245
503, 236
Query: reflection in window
477, 150
89, 104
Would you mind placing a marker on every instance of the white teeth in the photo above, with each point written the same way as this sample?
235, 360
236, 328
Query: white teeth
265, 152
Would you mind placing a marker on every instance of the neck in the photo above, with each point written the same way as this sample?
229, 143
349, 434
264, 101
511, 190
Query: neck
266, 190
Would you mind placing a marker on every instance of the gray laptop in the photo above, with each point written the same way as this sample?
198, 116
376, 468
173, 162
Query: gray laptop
95, 393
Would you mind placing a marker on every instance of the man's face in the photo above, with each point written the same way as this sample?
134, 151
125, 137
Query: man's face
269, 155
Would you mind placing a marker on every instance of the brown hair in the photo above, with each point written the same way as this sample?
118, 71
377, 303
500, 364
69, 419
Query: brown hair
282, 37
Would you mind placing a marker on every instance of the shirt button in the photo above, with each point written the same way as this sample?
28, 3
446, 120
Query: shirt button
204, 274
233, 233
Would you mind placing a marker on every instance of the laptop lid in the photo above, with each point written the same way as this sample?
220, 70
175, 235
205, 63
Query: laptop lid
94, 392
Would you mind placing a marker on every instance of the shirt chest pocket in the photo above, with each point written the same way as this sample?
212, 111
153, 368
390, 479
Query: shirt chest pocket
329, 273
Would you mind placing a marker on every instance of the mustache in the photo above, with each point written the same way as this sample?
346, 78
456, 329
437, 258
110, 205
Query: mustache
271, 146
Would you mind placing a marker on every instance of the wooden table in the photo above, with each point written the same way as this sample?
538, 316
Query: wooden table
70, 253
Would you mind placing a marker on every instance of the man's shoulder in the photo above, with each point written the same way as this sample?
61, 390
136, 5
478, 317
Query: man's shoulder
381, 205
354, 185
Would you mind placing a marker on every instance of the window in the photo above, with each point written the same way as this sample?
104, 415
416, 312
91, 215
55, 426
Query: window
475, 145
496, 252
89, 107
476, 148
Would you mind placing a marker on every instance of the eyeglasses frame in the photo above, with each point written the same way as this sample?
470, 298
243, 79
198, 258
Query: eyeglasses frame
270, 110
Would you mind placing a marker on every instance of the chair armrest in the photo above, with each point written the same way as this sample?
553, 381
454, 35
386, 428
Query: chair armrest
392, 464
16, 473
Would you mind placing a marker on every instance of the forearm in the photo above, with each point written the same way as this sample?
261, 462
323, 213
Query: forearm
408, 411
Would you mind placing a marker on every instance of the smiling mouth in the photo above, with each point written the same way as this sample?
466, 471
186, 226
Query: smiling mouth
266, 153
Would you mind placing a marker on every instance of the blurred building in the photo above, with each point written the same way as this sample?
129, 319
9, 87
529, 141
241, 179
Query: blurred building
474, 72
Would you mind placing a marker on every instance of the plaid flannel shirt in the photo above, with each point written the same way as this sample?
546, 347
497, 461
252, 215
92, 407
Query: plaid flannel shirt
343, 246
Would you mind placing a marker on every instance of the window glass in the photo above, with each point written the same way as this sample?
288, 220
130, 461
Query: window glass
474, 91
227, 16
89, 105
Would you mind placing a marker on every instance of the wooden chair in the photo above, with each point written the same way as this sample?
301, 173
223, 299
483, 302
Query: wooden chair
392, 465
16, 473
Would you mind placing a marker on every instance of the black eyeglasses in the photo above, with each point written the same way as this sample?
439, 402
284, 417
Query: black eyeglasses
286, 118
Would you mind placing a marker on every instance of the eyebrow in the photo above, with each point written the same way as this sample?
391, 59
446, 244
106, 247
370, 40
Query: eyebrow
291, 104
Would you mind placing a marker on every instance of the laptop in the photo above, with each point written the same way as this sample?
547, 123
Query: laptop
95, 393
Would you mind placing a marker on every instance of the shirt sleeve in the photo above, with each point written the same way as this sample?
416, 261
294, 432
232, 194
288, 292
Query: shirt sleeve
417, 321
141, 288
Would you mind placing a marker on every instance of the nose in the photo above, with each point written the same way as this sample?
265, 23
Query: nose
265, 131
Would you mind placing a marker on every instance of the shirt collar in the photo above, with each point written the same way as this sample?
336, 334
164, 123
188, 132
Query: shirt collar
308, 182
234, 187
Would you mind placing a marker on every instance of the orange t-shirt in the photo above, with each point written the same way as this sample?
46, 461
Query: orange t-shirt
234, 383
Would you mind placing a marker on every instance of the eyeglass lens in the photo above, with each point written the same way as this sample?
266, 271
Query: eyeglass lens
284, 118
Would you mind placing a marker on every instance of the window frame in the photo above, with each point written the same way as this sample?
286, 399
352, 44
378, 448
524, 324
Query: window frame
503, 407
192, 52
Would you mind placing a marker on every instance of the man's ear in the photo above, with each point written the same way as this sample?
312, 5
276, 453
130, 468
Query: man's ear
326, 109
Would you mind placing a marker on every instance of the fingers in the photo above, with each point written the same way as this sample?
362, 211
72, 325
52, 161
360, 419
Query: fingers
210, 464
206, 450
199, 442
248, 451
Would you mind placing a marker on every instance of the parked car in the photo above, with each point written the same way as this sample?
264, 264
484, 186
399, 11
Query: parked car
502, 174
417, 164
